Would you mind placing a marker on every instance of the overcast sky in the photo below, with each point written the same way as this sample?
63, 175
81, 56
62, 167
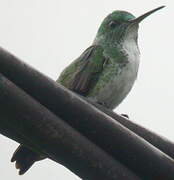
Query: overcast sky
50, 34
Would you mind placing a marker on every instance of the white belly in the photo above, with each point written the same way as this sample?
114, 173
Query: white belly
112, 94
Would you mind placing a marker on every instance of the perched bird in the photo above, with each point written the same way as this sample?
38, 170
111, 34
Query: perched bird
104, 73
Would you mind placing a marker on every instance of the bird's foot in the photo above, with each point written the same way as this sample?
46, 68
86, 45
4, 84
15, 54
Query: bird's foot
125, 115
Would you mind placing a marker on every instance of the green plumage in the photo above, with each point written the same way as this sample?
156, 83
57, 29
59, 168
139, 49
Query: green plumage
99, 65
82, 74
104, 73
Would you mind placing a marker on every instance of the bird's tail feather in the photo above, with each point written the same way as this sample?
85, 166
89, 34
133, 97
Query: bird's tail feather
25, 158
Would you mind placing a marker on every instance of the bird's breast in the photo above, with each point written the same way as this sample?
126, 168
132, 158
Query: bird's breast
117, 79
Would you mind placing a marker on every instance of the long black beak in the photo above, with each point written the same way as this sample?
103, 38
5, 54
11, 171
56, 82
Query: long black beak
140, 18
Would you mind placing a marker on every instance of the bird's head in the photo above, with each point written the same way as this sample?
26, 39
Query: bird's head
120, 25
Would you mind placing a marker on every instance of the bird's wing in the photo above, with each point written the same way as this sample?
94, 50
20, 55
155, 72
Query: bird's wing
82, 74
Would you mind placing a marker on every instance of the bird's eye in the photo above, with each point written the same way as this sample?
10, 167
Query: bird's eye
113, 24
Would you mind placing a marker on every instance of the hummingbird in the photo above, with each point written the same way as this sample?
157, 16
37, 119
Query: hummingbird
104, 73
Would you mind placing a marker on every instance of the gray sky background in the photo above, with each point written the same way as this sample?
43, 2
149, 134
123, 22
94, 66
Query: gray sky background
50, 34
